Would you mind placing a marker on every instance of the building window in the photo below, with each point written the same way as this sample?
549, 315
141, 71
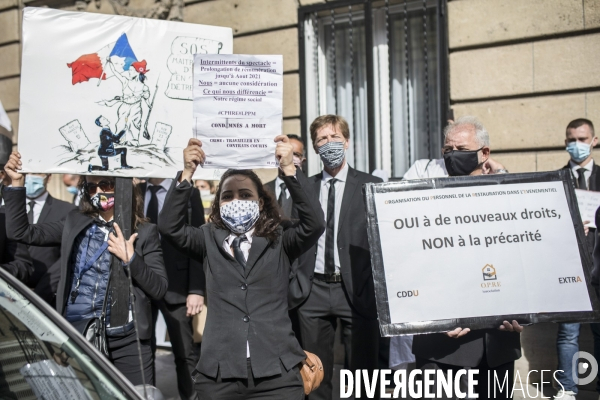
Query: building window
383, 66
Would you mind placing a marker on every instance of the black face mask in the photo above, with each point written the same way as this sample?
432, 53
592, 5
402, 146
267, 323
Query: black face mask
461, 163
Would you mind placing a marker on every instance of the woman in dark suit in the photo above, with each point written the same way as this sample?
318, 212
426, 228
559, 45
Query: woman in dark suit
89, 240
248, 350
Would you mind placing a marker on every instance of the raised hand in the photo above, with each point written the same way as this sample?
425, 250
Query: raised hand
284, 152
193, 155
12, 168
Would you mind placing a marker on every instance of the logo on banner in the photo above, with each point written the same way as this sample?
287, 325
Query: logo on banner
489, 273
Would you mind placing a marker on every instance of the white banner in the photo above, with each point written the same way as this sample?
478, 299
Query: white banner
102, 93
588, 202
238, 109
479, 251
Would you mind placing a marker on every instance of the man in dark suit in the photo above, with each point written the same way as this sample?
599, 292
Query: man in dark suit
467, 152
277, 186
185, 295
14, 257
107, 146
580, 140
42, 208
334, 279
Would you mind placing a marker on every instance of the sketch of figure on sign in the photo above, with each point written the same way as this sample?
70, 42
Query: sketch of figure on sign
124, 86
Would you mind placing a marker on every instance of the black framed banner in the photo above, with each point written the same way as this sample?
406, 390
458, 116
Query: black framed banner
475, 251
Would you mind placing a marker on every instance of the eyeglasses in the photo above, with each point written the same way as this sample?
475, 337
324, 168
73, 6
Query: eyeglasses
105, 186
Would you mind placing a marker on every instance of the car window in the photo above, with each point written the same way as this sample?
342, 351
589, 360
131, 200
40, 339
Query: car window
39, 361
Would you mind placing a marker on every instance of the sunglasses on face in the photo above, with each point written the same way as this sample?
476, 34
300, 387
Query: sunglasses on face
105, 186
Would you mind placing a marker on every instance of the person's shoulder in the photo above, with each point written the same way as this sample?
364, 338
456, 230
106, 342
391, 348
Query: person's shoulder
61, 204
364, 177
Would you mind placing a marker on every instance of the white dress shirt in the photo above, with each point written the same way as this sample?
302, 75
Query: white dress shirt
38, 206
425, 168
340, 185
587, 173
245, 247
160, 195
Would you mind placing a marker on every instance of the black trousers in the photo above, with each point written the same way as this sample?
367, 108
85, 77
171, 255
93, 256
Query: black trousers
318, 317
288, 385
487, 387
182, 342
123, 353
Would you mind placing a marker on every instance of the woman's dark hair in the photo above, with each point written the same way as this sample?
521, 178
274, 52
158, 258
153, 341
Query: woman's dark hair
269, 218
137, 202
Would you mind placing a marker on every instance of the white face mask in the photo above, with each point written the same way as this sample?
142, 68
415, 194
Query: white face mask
240, 215
206, 195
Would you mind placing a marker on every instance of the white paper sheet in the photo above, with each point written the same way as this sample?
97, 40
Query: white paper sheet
238, 109
588, 202
432, 275
137, 73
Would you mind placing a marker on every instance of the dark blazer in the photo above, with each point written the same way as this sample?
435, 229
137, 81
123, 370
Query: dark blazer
353, 248
147, 268
594, 184
107, 141
596, 257
14, 257
44, 257
246, 305
185, 275
287, 209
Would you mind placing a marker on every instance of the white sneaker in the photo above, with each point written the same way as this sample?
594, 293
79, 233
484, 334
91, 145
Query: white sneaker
565, 395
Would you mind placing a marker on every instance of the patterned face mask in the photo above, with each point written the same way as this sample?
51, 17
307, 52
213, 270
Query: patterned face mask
240, 215
332, 154
103, 201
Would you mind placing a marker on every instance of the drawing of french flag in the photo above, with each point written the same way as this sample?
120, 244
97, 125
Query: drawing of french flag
94, 65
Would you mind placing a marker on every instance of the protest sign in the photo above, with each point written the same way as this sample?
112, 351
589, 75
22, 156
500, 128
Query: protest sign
588, 202
109, 95
238, 109
474, 251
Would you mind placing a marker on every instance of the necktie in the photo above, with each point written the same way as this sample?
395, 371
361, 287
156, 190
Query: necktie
329, 233
282, 196
238, 254
152, 211
30, 212
581, 181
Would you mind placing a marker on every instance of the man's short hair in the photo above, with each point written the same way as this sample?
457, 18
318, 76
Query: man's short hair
483, 138
98, 121
576, 123
336, 121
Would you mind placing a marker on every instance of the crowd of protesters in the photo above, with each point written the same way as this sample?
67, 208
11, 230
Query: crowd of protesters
281, 264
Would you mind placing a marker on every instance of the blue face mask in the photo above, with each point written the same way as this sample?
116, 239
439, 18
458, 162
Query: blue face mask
579, 151
73, 190
34, 186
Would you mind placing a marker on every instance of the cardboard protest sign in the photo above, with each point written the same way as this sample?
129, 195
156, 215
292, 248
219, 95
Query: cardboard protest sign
475, 251
238, 109
109, 95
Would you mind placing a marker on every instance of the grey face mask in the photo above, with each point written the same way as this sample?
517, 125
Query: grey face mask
332, 154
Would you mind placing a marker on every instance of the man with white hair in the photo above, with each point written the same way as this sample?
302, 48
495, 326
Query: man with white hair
466, 151
493, 352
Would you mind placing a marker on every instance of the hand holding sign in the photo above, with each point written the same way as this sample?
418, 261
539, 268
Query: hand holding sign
284, 152
193, 155
12, 168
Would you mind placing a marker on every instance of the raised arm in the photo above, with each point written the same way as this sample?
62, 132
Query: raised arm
172, 222
302, 235
17, 224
